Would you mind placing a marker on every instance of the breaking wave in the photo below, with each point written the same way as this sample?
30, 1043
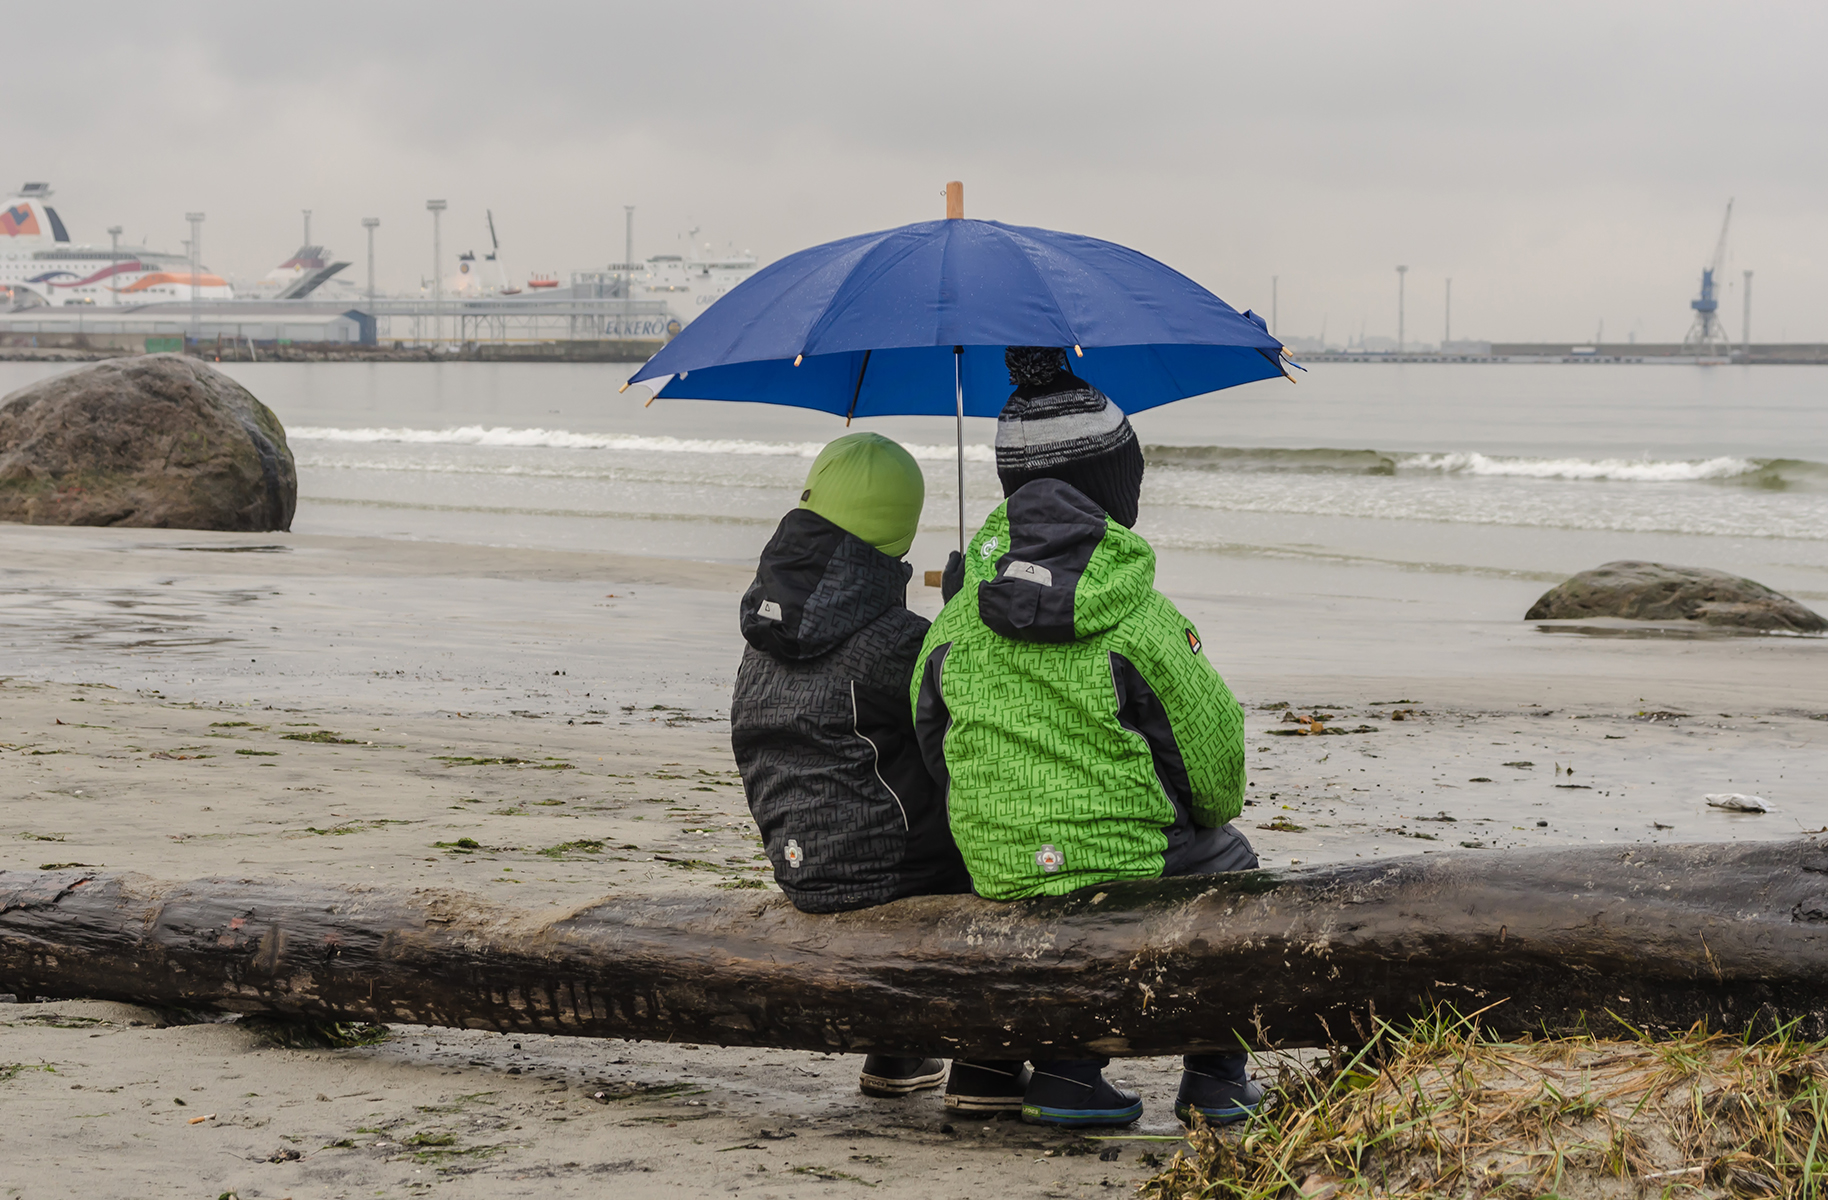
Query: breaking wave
564, 439
1777, 474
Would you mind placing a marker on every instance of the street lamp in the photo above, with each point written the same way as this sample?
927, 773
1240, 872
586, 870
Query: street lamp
369, 223
114, 263
1400, 272
1745, 327
196, 265
437, 207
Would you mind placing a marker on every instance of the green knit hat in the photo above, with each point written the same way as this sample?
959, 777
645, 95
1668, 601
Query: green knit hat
868, 485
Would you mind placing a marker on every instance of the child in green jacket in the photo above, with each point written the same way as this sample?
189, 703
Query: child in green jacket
1070, 711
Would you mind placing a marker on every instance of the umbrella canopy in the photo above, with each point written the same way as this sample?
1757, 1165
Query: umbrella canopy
867, 326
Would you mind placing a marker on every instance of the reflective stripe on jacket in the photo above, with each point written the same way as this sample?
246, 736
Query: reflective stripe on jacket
821, 726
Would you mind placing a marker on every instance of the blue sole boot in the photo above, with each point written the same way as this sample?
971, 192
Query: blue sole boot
1074, 1093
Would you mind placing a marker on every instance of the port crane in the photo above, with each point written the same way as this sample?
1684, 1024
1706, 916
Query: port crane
1707, 336
501, 275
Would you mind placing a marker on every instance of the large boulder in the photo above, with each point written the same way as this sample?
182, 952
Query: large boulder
162, 440
1646, 591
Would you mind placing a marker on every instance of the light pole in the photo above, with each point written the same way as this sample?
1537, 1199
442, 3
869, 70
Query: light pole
369, 223
1745, 326
1400, 272
196, 265
628, 268
307, 213
436, 207
114, 263
1447, 321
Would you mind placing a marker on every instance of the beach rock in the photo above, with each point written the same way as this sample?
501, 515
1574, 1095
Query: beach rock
159, 441
1646, 591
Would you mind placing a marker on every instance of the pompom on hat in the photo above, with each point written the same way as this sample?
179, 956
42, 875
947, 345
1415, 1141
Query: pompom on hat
1058, 426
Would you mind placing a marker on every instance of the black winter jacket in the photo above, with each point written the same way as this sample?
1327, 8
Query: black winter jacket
821, 725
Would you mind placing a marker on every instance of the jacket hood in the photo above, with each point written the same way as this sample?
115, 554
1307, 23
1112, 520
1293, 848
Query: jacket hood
815, 586
1051, 566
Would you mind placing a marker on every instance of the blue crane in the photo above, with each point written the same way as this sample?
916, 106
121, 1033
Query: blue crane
1707, 335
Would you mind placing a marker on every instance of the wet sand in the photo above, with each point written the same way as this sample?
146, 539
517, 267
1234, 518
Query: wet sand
543, 728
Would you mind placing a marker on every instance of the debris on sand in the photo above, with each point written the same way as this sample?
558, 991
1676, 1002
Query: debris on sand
1738, 802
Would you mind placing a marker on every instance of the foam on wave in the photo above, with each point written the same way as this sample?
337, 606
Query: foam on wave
1621, 470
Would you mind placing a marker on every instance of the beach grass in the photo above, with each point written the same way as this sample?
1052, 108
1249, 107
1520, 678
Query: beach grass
1438, 1108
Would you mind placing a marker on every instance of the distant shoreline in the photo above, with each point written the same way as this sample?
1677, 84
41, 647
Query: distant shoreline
595, 351
603, 351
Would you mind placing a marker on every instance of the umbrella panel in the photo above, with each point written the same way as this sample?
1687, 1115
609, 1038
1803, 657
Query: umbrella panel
918, 381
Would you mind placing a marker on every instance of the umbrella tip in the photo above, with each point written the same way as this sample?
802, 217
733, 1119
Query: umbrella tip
1077, 350
955, 201
621, 389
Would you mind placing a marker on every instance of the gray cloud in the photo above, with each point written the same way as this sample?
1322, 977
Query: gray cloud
1564, 163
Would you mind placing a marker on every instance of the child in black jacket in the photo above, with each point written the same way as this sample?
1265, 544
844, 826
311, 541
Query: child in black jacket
820, 721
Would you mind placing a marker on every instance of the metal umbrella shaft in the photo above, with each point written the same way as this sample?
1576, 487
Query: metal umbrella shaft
958, 390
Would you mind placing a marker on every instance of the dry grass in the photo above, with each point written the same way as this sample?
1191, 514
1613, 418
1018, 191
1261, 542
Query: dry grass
1439, 1109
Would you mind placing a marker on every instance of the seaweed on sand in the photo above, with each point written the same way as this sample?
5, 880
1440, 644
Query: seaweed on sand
311, 1033
1436, 1108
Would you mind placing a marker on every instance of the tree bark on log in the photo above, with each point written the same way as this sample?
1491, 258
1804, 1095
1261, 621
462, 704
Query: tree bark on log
1553, 940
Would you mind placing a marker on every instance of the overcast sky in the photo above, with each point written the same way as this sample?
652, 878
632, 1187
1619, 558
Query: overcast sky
1565, 164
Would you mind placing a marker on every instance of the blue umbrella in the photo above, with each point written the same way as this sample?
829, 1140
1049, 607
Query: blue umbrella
880, 324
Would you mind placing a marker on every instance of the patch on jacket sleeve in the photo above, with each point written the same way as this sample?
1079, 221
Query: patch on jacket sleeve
1033, 572
1193, 640
768, 610
796, 857
1049, 859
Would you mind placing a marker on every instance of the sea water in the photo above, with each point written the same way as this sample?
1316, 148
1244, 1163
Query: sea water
1380, 479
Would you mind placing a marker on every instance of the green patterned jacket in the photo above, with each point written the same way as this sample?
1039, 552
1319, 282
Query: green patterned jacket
1068, 708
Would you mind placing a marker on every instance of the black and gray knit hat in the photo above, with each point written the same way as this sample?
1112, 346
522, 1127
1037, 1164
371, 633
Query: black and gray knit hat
1060, 427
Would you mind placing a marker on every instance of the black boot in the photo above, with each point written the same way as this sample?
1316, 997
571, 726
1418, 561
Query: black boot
1075, 1092
1218, 1087
890, 1077
986, 1087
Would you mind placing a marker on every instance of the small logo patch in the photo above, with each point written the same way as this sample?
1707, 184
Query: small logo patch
1033, 572
1193, 640
768, 610
796, 857
988, 549
1049, 859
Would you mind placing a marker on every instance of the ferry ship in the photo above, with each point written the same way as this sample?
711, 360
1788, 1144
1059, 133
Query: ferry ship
669, 290
40, 264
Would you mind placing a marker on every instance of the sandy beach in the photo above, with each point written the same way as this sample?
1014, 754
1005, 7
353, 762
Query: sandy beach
543, 728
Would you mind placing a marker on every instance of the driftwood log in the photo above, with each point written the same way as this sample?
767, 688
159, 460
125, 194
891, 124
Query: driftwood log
1553, 940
